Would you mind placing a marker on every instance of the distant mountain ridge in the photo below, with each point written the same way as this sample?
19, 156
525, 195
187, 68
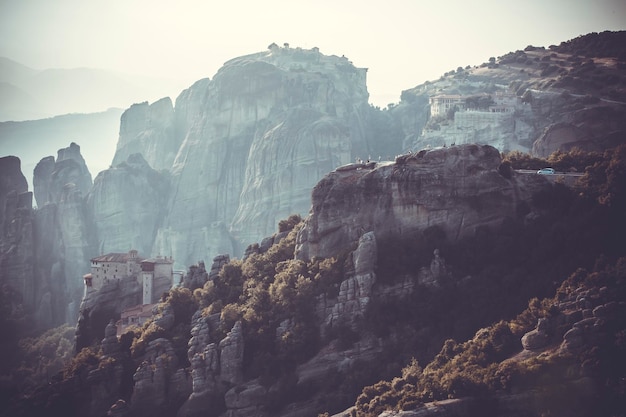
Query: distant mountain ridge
29, 94
31, 140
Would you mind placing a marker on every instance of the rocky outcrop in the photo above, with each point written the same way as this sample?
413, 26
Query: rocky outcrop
355, 291
231, 356
50, 177
196, 276
594, 128
149, 129
65, 235
128, 204
16, 239
99, 306
456, 189
247, 400
218, 262
215, 368
537, 338
153, 392
110, 345
45, 252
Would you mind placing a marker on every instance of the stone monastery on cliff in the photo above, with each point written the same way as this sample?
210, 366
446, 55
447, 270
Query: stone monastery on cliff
154, 275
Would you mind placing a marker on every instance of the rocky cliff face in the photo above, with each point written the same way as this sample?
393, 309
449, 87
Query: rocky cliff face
595, 127
249, 146
50, 176
457, 189
149, 129
61, 188
16, 238
128, 204
45, 252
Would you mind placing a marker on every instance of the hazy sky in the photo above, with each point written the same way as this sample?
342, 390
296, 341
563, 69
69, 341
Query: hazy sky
402, 42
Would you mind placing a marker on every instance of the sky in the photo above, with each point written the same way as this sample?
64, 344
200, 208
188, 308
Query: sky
402, 42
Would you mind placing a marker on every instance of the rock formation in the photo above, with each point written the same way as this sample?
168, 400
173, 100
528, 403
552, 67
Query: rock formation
248, 144
50, 176
154, 391
593, 129
65, 236
356, 289
128, 204
110, 345
231, 356
537, 338
148, 129
444, 187
16, 238
97, 308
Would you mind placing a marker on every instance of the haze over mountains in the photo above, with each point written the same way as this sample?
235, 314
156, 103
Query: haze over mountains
28, 94
42, 111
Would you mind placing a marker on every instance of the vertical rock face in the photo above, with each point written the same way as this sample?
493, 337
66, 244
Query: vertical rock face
128, 202
457, 189
150, 130
16, 237
61, 188
231, 356
355, 290
255, 139
50, 176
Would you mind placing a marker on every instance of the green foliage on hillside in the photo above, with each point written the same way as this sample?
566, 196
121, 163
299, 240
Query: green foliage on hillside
597, 45
487, 365
182, 304
265, 290
42, 357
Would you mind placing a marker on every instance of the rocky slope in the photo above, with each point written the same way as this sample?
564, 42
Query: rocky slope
382, 199
326, 306
563, 91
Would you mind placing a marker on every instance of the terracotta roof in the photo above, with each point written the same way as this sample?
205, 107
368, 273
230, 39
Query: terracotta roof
114, 257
